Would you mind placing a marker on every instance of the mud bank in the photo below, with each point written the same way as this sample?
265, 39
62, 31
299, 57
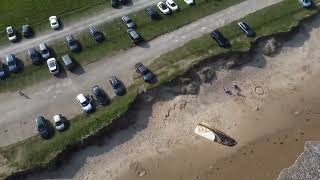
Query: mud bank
187, 84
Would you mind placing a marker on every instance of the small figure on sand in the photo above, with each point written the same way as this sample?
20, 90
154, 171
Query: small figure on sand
235, 86
226, 90
20, 92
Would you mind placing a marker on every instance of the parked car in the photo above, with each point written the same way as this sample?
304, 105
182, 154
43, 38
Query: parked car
246, 29
42, 127
54, 22
11, 33
72, 43
100, 95
11, 63
305, 3
220, 39
146, 74
2, 71
85, 103
53, 66
44, 51
115, 3
163, 8
67, 61
135, 37
128, 21
26, 31
117, 86
98, 36
152, 13
34, 56
58, 122
172, 5
189, 2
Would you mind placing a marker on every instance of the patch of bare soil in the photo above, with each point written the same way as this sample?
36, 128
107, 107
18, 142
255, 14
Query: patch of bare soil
271, 115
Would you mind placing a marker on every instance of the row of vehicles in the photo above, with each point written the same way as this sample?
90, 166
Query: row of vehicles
223, 42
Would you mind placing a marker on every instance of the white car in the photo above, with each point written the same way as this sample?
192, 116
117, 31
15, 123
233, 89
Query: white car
305, 3
11, 34
58, 122
84, 102
163, 8
53, 66
189, 2
54, 23
172, 5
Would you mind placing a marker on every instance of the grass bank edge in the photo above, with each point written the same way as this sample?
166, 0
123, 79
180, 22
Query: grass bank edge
165, 74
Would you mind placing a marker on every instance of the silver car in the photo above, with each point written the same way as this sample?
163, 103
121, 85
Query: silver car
44, 51
128, 21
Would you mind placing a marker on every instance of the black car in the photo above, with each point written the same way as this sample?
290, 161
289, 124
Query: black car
114, 3
220, 39
134, 36
117, 86
42, 127
146, 74
152, 13
26, 31
98, 36
34, 56
100, 95
246, 29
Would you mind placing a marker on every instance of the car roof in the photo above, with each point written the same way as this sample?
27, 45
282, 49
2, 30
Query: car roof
42, 46
69, 37
57, 117
133, 34
92, 29
81, 98
10, 57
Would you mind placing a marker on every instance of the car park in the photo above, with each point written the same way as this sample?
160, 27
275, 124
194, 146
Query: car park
305, 3
42, 127
163, 8
84, 102
98, 36
117, 86
246, 29
67, 61
72, 43
220, 39
34, 56
189, 2
135, 37
128, 22
53, 66
44, 51
54, 22
58, 122
26, 31
2, 71
11, 63
100, 95
11, 33
146, 74
172, 5
152, 12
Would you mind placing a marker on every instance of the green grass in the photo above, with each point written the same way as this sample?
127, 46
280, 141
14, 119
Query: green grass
36, 12
117, 39
35, 152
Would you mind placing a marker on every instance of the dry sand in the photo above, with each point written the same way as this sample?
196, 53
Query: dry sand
270, 128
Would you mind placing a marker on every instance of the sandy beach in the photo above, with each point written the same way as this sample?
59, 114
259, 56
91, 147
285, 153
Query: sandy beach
270, 126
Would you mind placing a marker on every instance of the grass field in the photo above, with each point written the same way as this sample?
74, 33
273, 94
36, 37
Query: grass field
116, 39
36, 12
35, 152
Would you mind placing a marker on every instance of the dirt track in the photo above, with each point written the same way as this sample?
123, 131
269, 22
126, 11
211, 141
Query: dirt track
58, 95
162, 142
75, 27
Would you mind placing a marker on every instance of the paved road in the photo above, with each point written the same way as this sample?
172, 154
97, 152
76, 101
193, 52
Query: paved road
58, 95
75, 27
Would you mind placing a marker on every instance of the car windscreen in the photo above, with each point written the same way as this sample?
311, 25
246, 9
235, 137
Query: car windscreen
173, 4
85, 103
58, 123
72, 42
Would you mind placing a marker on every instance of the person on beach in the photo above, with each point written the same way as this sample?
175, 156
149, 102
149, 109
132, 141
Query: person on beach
226, 90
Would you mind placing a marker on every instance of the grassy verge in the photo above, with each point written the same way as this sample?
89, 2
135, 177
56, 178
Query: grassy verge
36, 13
35, 152
117, 39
